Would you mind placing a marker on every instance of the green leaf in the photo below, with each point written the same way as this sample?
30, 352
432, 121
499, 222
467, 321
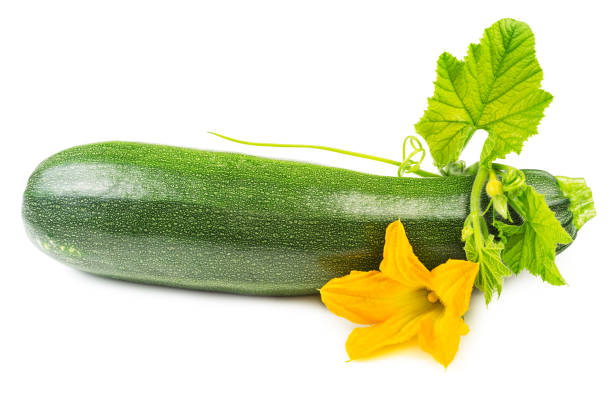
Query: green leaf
447, 124
492, 269
497, 89
532, 244
581, 199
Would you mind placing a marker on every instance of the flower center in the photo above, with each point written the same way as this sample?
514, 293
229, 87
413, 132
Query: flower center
432, 297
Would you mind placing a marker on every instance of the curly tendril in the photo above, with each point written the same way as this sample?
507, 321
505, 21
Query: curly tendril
513, 180
409, 165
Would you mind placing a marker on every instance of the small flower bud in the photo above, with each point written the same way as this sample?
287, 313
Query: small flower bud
494, 187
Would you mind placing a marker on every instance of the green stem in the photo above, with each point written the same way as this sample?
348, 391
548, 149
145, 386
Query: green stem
475, 213
499, 166
518, 207
419, 172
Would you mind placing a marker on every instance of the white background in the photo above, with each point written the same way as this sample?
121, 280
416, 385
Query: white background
352, 74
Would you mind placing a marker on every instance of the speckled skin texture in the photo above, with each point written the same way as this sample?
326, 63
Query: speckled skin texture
237, 223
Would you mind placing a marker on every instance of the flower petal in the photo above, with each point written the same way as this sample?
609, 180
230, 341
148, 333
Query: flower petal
364, 297
400, 328
439, 335
453, 282
399, 261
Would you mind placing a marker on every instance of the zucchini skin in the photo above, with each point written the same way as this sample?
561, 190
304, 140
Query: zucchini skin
236, 223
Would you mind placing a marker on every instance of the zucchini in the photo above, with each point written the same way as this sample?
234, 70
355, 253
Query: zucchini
237, 223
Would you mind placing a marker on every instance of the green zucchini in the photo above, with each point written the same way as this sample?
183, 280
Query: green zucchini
237, 223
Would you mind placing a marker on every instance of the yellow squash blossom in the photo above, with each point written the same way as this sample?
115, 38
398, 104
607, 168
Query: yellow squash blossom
404, 300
